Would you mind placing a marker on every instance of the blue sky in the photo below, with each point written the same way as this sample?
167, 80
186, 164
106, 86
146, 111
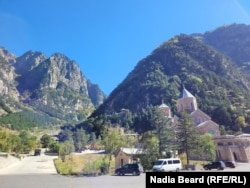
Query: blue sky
107, 38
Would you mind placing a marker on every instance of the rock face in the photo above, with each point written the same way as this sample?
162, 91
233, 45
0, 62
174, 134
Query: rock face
52, 85
7, 74
7, 82
8, 56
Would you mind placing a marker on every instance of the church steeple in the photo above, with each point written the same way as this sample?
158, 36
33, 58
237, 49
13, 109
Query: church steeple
165, 108
186, 101
185, 93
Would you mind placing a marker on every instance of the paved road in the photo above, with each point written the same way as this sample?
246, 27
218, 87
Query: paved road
39, 172
240, 167
58, 181
42, 164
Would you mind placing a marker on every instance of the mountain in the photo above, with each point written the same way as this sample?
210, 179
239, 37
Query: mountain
210, 67
53, 88
213, 66
231, 40
8, 89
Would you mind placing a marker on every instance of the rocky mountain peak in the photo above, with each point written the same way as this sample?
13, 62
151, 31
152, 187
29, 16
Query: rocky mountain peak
50, 86
63, 71
28, 61
8, 56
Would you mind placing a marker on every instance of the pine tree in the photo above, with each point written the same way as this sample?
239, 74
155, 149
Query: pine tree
186, 134
164, 131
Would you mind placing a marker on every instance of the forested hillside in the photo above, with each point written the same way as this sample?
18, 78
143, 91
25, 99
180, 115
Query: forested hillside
219, 84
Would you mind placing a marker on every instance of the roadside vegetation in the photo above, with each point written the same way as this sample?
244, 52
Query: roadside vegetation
84, 164
25, 141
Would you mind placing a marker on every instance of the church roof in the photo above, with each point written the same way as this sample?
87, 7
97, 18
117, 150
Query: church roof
203, 123
208, 121
198, 111
163, 106
131, 151
185, 93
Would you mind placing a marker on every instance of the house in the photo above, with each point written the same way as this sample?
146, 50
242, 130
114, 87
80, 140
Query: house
233, 148
127, 156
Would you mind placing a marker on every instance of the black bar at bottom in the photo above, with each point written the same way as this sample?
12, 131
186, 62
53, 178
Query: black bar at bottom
204, 179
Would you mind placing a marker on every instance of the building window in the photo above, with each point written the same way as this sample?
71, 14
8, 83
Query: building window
212, 132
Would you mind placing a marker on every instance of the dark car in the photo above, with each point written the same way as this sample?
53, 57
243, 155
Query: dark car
37, 152
219, 165
230, 164
135, 169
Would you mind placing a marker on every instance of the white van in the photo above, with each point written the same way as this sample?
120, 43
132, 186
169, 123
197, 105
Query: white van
167, 165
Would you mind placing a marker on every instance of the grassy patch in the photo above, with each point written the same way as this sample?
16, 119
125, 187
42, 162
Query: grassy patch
82, 164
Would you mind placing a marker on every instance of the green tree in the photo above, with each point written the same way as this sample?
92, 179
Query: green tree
66, 148
150, 150
186, 134
239, 123
8, 141
66, 135
80, 139
112, 140
3, 140
54, 147
93, 140
27, 142
163, 130
46, 140
207, 147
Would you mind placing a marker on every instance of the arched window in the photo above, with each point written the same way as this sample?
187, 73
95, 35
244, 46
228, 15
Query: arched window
211, 131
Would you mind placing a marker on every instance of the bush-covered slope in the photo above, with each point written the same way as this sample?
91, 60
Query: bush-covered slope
222, 90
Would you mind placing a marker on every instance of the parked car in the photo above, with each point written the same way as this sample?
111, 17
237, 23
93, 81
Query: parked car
135, 169
219, 165
230, 164
167, 165
37, 152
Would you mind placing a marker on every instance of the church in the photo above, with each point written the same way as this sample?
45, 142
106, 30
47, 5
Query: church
187, 102
228, 147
